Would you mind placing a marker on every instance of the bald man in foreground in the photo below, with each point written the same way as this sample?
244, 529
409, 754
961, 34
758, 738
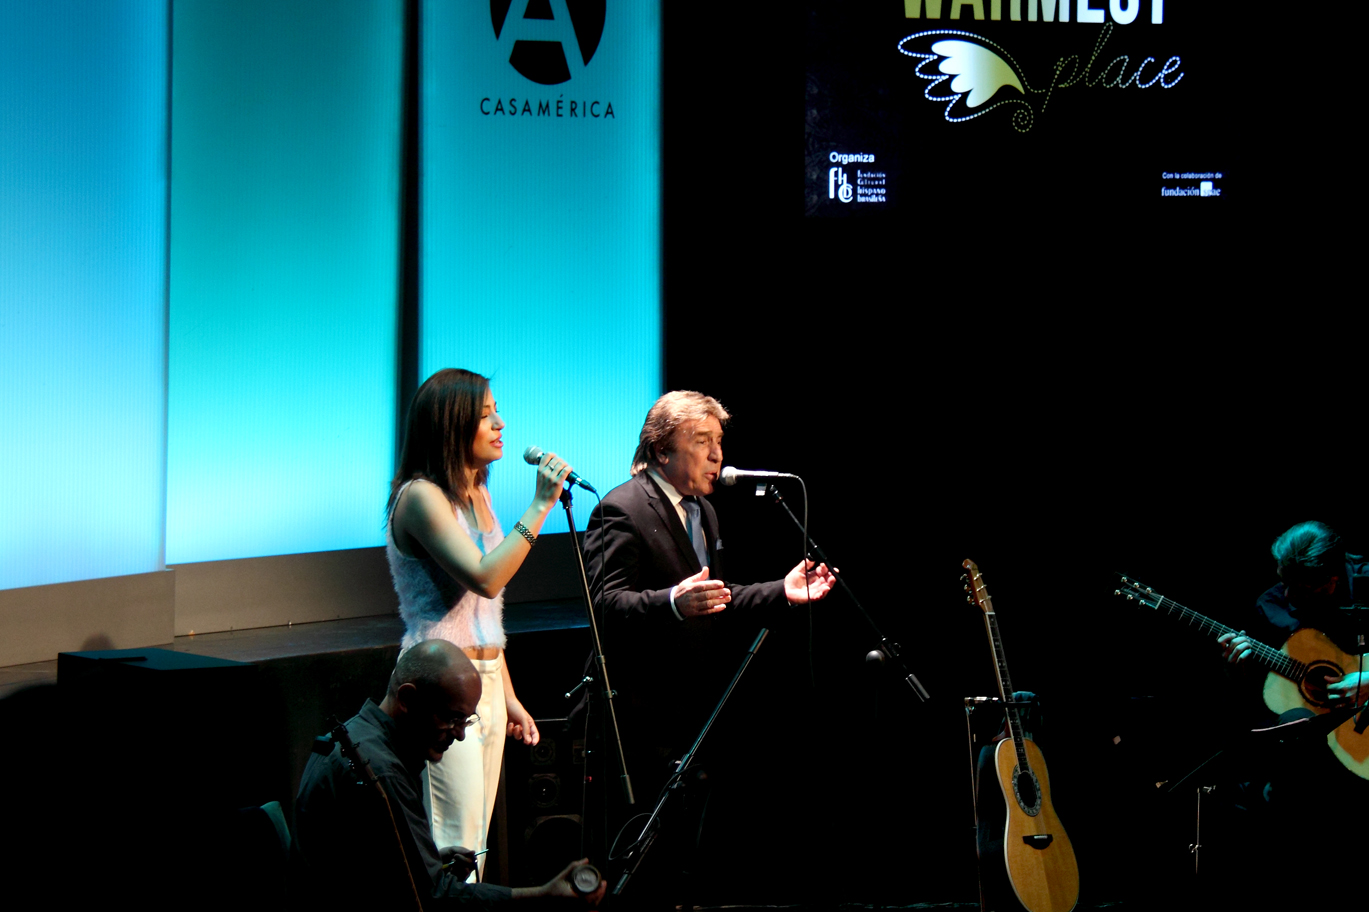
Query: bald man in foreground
342, 831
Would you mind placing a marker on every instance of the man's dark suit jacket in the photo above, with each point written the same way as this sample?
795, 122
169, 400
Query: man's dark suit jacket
669, 673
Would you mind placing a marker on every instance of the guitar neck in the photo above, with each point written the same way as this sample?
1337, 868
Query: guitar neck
1266, 655
1005, 688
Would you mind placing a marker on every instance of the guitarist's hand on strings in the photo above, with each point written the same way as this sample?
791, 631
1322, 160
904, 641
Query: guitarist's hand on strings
1343, 691
1236, 647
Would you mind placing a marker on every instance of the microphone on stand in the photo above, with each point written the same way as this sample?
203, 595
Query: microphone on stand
731, 475
533, 456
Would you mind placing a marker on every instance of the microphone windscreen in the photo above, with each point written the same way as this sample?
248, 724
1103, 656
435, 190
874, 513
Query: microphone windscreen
532, 455
729, 475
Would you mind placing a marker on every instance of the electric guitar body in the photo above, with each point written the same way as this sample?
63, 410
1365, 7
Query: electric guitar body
1038, 857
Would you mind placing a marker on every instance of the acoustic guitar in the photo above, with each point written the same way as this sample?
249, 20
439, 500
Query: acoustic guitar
1036, 852
1297, 672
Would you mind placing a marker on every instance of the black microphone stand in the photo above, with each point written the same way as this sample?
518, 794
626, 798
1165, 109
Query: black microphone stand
886, 645
652, 829
599, 661
1358, 609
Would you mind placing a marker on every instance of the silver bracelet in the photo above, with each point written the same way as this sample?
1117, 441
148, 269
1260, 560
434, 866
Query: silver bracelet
523, 531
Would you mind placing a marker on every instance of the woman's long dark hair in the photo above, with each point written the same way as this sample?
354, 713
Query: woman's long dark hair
439, 434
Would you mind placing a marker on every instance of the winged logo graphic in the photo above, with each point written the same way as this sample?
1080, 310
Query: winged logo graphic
984, 73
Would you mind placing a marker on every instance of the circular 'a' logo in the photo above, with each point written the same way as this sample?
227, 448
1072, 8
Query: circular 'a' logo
548, 41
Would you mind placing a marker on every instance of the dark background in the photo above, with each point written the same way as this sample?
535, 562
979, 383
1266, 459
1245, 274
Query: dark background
1114, 385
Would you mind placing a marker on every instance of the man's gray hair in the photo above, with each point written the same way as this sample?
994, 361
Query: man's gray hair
665, 418
1310, 553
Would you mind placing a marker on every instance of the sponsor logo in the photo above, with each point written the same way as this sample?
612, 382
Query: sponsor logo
1206, 183
867, 187
548, 41
838, 186
545, 107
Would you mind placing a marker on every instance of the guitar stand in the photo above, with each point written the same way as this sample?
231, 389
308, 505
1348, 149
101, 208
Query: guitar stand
971, 704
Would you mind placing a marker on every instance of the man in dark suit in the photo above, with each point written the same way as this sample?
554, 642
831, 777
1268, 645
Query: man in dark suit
674, 631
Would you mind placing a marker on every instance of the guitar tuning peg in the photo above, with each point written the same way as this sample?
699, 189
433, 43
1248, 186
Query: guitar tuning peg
1125, 580
969, 600
1150, 590
966, 587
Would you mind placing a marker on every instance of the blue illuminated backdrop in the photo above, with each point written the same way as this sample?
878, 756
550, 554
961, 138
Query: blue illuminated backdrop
541, 257
284, 239
214, 377
82, 289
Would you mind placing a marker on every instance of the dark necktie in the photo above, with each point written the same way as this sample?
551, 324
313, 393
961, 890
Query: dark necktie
695, 528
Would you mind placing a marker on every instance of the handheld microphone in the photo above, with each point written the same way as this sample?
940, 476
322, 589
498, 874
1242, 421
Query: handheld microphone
731, 475
533, 456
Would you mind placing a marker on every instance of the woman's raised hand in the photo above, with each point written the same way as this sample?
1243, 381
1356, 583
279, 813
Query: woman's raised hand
551, 478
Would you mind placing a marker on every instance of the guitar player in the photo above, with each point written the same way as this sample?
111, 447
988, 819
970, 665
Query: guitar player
1317, 585
1300, 818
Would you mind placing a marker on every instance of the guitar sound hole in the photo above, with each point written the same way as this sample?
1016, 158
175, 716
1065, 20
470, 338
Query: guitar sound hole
1314, 682
1026, 789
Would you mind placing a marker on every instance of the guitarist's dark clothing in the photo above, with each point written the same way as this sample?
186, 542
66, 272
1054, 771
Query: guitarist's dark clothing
1273, 621
1299, 796
1277, 619
346, 844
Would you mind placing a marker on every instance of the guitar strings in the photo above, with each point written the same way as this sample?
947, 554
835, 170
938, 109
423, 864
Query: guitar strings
1280, 662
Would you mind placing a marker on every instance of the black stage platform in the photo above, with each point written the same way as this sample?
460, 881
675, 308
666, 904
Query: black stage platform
313, 671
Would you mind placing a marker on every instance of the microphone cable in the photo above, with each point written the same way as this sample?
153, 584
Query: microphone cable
807, 590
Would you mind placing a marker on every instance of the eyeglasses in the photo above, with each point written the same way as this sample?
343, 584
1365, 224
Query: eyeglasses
446, 722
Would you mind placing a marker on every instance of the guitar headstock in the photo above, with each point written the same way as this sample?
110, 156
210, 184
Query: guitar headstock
1133, 591
974, 585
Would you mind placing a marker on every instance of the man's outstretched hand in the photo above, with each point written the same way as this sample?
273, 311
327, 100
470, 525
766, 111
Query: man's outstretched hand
808, 583
697, 594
